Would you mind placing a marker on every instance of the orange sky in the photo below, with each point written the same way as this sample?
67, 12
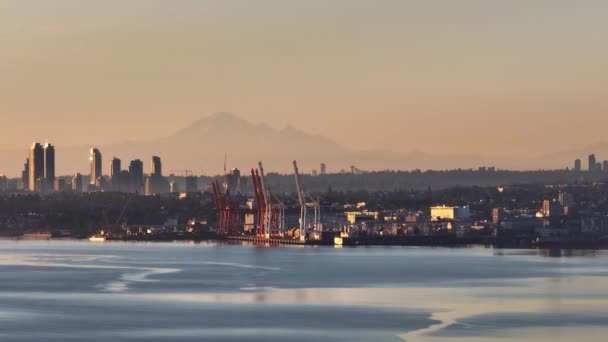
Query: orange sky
483, 77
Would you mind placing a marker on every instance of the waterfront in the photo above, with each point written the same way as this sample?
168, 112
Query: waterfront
74, 290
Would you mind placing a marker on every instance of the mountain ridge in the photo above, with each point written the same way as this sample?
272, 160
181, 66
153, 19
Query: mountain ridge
202, 145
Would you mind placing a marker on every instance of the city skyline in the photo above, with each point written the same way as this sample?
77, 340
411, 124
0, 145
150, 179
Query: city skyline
277, 147
39, 174
341, 69
311, 170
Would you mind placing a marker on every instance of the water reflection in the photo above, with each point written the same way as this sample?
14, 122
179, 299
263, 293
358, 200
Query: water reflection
552, 252
202, 291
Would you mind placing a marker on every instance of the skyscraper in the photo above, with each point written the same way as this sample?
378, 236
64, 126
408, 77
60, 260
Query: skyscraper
25, 175
115, 168
322, 170
95, 160
156, 183
156, 167
36, 167
577, 165
136, 173
49, 164
592, 162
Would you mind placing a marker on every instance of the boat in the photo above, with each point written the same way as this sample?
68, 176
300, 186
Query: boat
98, 238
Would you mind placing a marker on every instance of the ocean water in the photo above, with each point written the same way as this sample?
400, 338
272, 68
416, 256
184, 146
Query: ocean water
114, 291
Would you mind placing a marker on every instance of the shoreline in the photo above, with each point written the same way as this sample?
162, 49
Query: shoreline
412, 241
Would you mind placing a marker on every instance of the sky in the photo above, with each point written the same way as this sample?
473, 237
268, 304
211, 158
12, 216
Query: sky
470, 76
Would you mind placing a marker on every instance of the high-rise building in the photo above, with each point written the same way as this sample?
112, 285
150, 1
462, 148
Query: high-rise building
605, 165
115, 168
77, 183
157, 169
156, 183
136, 173
36, 167
49, 164
322, 169
25, 175
592, 162
577, 165
95, 160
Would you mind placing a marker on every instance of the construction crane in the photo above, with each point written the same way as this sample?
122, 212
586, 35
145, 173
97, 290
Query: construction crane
270, 216
111, 230
304, 205
277, 216
260, 203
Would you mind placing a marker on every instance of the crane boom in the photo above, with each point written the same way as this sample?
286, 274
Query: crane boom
263, 185
302, 200
266, 197
301, 197
116, 224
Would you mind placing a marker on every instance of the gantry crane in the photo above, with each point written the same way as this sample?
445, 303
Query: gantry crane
304, 205
275, 213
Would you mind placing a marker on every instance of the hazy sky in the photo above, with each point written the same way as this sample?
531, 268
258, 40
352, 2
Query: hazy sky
504, 77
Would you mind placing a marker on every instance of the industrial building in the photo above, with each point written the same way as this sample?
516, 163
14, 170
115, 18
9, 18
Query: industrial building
450, 213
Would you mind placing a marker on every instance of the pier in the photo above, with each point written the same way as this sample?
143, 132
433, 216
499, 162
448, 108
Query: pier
271, 241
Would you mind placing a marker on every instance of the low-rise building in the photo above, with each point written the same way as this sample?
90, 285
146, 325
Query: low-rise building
450, 213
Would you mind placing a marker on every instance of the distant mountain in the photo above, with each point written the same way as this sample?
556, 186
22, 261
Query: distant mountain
202, 145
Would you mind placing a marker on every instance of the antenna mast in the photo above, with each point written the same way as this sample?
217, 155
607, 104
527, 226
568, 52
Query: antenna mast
225, 157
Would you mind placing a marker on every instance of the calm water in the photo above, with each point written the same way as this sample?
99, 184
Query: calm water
76, 290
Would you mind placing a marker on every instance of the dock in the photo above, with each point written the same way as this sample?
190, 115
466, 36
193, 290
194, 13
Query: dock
271, 241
